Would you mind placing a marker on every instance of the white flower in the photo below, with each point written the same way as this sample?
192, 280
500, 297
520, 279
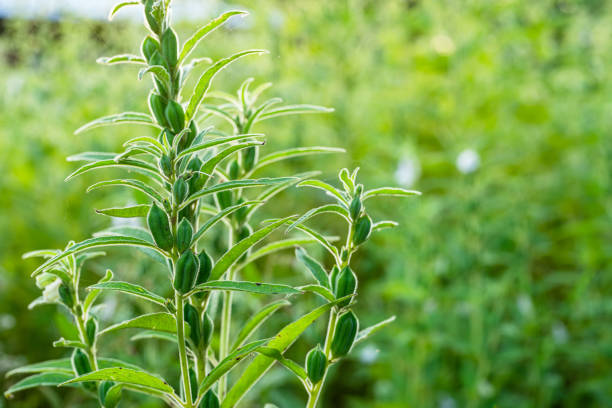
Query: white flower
408, 171
525, 305
51, 292
468, 161
368, 355
559, 333
443, 44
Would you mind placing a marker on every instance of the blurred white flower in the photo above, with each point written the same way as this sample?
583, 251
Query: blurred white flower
524, 305
369, 354
430, 306
468, 161
559, 333
443, 44
408, 171
51, 292
485, 389
448, 402
7, 321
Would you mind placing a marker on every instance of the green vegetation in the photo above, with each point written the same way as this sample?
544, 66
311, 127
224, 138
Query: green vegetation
500, 278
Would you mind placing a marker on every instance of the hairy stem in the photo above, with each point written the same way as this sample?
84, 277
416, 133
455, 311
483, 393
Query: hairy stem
180, 334
226, 322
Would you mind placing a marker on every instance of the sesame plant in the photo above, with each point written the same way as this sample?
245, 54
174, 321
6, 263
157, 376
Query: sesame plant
197, 176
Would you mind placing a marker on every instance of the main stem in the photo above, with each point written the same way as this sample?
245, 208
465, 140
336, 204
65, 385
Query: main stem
180, 334
226, 322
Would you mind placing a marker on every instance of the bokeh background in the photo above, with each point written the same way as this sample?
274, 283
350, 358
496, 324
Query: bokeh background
500, 112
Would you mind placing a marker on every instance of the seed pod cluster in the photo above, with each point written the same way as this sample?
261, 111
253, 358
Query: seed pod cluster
316, 364
344, 335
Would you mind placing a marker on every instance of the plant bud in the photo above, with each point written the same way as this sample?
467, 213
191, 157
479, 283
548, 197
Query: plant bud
160, 228
206, 265
169, 47
363, 227
157, 105
233, 169
175, 115
249, 158
152, 15
149, 46
345, 285
355, 208
210, 400
165, 164
225, 199
184, 234
185, 273
180, 190
333, 277
65, 294
193, 319
241, 214
208, 327
80, 362
91, 329
316, 363
344, 335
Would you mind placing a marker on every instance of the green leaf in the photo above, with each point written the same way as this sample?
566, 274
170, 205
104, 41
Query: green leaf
383, 225
205, 80
143, 166
125, 376
159, 71
146, 139
62, 365
255, 116
228, 363
275, 247
97, 243
390, 191
294, 367
38, 380
328, 208
199, 35
257, 320
368, 331
69, 344
138, 233
91, 156
233, 254
321, 240
93, 295
161, 321
282, 341
315, 268
120, 6
211, 163
41, 253
127, 212
293, 153
131, 289
152, 334
294, 110
322, 291
216, 142
121, 59
231, 185
219, 216
333, 191
132, 183
251, 287
117, 119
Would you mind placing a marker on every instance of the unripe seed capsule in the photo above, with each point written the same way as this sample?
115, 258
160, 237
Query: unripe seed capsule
188, 138
193, 380
210, 400
333, 277
165, 164
344, 335
233, 169
346, 285
157, 105
180, 190
103, 390
363, 227
169, 47
355, 208
160, 228
208, 327
249, 158
316, 363
113, 396
206, 265
149, 46
225, 199
175, 115
80, 362
65, 294
91, 329
187, 268
184, 234
193, 319
241, 214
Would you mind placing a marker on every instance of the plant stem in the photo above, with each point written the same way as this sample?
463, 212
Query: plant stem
315, 393
91, 352
180, 334
226, 322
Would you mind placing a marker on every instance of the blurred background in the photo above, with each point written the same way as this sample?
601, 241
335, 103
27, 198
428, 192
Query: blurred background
499, 112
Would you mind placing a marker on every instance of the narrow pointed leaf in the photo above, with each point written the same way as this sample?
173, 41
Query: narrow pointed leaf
333, 191
212, 163
152, 334
390, 192
291, 365
294, 153
294, 110
117, 119
160, 72
131, 289
92, 156
328, 208
120, 6
322, 291
125, 376
121, 59
257, 320
93, 295
314, 267
62, 365
368, 331
215, 142
242, 286
39, 380
130, 163
163, 322
277, 189
126, 212
321, 240
138, 233
383, 225
218, 217
132, 183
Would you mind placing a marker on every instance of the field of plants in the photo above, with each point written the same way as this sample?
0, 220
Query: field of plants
500, 113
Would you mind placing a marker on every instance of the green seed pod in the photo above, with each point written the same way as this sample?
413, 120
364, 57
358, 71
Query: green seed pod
103, 390
152, 15
233, 169
363, 227
187, 268
196, 181
65, 294
169, 47
180, 190
345, 285
206, 265
188, 138
175, 115
193, 381
160, 228
359, 190
91, 329
355, 208
113, 396
210, 400
184, 234
149, 46
333, 277
157, 105
208, 327
192, 317
80, 362
250, 157
241, 214
344, 255
316, 363
225, 199
165, 165
344, 335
